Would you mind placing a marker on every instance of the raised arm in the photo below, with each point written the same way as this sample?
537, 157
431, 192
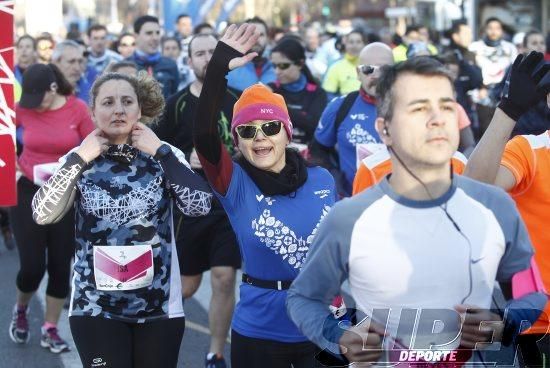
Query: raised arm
522, 94
54, 199
227, 56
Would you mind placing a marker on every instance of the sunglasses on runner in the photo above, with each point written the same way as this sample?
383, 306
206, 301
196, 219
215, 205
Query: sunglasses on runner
367, 69
282, 66
269, 129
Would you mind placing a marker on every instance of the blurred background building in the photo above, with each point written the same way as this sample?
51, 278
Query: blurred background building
62, 16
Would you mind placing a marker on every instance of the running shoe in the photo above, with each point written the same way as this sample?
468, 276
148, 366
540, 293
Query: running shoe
9, 241
214, 361
51, 340
19, 326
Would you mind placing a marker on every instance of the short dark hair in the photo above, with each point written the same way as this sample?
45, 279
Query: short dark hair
412, 28
258, 20
421, 65
168, 38
184, 15
529, 34
142, 20
199, 35
199, 27
493, 19
96, 27
26, 37
360, 33
455, 26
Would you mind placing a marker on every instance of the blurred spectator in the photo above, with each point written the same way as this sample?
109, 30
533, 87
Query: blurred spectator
44, 48
126, 44
493, 56
260, 69
547, 54
184, 31
147, 56
460, 36
314, 58
25, 53
204, 28
99, 55
184, 27
171, 48
74, 32
534, 41
123, 67
412, 34
426, 37
493, 53
302, 92
341, 77
69, 58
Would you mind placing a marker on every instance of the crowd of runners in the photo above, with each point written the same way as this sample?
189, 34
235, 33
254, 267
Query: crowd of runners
352, 176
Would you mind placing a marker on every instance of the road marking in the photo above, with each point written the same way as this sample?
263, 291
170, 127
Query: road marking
202, 329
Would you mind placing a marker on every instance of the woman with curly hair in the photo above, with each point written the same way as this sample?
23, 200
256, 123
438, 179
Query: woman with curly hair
126, 308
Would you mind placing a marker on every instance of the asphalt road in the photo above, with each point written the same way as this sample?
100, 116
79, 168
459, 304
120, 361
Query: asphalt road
194, 346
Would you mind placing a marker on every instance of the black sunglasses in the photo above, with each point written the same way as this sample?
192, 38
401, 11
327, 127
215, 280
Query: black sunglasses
367, 69
282, 66
269, 128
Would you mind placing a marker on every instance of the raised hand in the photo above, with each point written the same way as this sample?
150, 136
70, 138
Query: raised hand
93, 145
144, 139
241, 39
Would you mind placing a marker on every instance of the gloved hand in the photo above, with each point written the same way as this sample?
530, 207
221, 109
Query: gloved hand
520, 91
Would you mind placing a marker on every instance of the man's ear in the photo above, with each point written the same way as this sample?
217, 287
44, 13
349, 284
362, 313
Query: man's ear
53, 87
383, 131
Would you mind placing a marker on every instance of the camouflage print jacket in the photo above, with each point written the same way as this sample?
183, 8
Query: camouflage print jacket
124, 198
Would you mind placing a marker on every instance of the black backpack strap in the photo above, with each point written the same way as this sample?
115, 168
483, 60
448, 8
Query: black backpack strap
344, 109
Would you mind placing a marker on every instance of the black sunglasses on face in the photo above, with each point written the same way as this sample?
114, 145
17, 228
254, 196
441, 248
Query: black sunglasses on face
367, 69
282, 66
269, 128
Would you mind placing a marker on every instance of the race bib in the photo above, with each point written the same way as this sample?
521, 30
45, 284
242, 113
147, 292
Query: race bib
123, 267
364, 150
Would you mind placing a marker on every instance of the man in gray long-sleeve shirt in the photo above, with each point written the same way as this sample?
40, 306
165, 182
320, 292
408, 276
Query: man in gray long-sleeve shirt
420, 240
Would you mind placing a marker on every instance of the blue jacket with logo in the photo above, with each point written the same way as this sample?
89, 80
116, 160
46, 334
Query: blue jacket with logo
356, 128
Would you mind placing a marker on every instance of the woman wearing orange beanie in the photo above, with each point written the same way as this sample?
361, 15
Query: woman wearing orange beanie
274, 202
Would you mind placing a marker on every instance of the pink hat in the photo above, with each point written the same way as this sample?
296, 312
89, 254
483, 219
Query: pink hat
257, 102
